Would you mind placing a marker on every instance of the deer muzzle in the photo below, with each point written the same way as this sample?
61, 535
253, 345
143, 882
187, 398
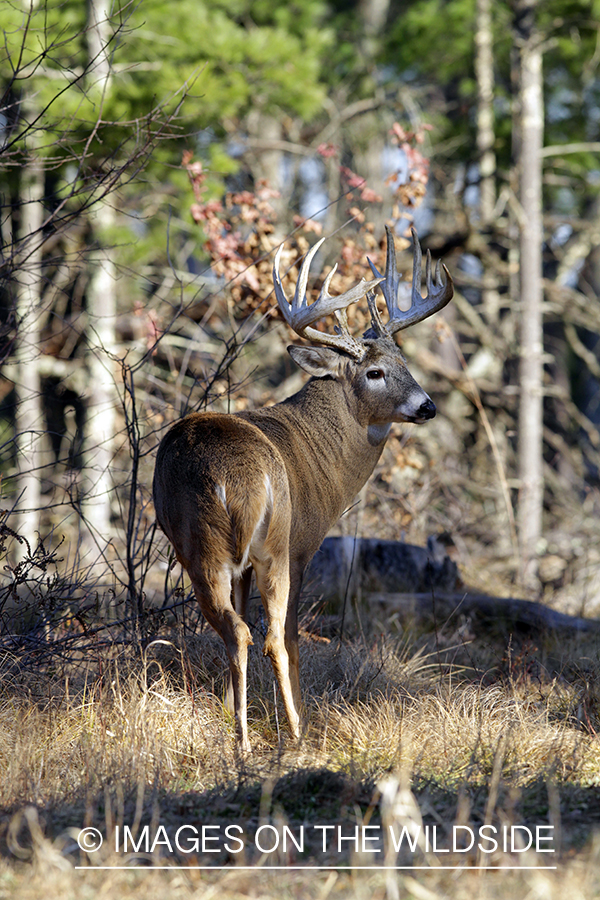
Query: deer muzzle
416, 409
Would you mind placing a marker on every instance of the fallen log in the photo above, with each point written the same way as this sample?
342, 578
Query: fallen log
440, 609
349, 567
421, 584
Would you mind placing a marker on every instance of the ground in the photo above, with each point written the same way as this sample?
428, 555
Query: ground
403, 731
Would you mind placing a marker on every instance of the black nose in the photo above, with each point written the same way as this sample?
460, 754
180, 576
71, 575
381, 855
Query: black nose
426, 410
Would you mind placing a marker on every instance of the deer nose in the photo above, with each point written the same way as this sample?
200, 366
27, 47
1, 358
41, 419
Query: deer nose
426, 410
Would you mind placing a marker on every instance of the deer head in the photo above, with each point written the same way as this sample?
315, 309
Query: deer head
382, 387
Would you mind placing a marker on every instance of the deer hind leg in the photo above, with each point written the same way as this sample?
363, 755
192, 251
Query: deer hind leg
214, 597
272, 576
241, 592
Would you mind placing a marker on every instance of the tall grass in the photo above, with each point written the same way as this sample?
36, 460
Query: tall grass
147, 741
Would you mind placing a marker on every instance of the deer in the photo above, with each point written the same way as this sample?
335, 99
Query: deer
257, 491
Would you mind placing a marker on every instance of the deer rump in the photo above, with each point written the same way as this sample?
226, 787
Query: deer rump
222, 525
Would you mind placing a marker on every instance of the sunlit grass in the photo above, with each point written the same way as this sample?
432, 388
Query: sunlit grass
374, 709
150, 739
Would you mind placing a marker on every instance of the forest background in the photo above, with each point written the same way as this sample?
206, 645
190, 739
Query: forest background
147, 178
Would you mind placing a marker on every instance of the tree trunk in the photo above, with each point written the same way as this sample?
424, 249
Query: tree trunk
29, 418
266, 133
484, 71
373, 16
102, 396
370, 138
531, 329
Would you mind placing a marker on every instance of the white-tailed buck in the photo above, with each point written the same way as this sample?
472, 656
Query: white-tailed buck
259, 490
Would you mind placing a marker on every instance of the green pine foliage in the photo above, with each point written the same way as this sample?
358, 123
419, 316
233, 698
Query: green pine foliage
431, 43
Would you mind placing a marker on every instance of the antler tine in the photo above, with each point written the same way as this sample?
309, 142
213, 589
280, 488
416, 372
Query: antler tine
378, 327
389, 286
439, 290
300, 315
300, 293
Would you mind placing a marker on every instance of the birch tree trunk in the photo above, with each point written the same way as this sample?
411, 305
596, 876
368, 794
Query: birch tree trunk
29, 417
484, 71
530, 245
102, 396
266, 133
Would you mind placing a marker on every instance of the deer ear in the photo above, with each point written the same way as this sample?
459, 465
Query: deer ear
317, 361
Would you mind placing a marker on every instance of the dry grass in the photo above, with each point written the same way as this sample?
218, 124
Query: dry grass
148, 742
576, 880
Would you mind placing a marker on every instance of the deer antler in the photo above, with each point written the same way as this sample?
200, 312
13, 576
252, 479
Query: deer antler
300, 315
439, 290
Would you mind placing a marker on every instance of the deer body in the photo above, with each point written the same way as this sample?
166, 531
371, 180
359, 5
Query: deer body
259, 490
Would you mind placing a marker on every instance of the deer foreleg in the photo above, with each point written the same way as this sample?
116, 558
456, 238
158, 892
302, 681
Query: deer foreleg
273, 584
291, 635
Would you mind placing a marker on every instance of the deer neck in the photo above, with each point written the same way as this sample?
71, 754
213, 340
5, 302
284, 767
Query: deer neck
332, 426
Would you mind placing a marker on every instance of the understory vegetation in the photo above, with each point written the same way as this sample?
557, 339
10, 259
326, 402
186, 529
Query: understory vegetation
404, 730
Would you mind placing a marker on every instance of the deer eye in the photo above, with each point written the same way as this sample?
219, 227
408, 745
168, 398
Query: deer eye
374, 374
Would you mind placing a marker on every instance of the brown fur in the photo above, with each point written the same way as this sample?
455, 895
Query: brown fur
316, 451
259, 490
